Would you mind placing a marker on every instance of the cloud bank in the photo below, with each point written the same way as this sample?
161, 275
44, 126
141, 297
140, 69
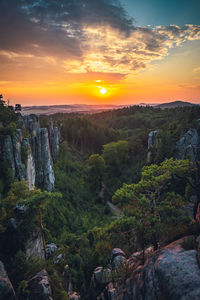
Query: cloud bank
83, 36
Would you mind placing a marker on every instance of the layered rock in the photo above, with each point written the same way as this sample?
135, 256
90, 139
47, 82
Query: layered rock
171, 273
6, 289
189, 145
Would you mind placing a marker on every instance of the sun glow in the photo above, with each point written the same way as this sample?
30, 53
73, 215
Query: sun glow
103, 91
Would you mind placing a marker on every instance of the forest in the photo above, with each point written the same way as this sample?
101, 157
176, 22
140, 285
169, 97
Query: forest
102, 159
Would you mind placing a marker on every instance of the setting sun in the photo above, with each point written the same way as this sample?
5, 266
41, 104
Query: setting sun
103, 91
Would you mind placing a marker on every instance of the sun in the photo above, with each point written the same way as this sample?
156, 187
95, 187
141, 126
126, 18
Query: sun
103, 91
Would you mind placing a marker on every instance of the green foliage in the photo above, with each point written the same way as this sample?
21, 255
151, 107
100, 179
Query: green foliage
100, 153
153, 202
95, 169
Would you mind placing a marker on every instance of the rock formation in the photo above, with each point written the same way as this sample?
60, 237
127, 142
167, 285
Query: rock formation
6, 288
189, 145
30, 152
151, 144
39, 287
171, 273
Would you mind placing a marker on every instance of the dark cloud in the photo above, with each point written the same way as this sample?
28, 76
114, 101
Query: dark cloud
55, 26
82, 36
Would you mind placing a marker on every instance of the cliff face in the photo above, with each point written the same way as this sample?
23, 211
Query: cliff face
31, 158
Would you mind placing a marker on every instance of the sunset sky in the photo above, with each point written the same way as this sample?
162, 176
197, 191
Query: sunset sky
99, 51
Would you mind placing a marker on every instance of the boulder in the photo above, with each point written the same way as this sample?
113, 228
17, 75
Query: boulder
73, 296
50, 249
39, 287
117, 258
6, 289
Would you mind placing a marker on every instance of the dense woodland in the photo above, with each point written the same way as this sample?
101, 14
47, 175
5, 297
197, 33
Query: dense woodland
102, 157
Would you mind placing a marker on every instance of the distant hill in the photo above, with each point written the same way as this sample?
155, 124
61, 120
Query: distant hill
74, 108
174, 104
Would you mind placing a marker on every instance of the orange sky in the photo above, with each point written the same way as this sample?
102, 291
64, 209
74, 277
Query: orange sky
139, 64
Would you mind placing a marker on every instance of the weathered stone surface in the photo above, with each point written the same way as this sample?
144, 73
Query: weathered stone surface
34, 246
50, 249
54, 140
39, 287
152, 139
20, 169
100, 278
44, 164
151, 145
38, 150
30, 165
6, 289
32, 124
188, 145
73, 296
8, 153
171, 273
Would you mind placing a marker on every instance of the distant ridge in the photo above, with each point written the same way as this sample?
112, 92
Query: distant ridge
174, 104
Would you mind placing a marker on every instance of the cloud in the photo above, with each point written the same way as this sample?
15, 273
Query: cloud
79, 36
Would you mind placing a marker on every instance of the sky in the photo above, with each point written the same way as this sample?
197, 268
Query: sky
99, 51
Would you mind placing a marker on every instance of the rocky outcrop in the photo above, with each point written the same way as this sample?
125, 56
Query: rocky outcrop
171, 273
73, 296
6, 289
39, 287
30, 165
152, 139
34, 246
188, 146
50, 249
30, 152
43, 161
54, 140
151, 144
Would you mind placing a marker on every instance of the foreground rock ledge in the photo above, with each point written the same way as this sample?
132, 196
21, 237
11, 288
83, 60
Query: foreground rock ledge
171, 273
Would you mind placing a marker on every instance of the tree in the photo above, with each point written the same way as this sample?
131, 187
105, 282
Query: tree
96, 169
18, 107
156, 199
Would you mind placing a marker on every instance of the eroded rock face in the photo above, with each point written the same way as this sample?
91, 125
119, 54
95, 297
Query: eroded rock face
188, 145
171, 273
34, 246
6, 289
31, 158
152, 139
39, 287
54, 140
151, 145
43, 160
